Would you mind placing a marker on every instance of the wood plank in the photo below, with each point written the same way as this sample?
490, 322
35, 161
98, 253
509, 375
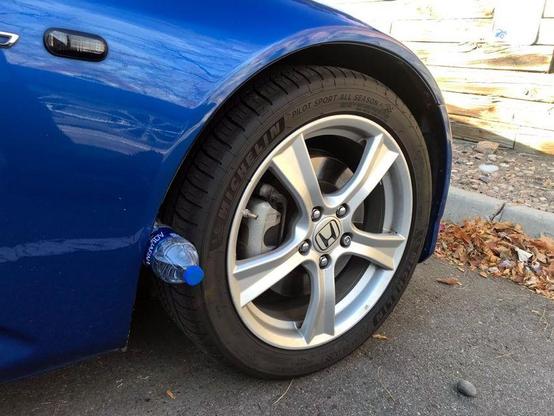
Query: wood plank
483, 55
546, 32
410, 9
517, 23
549, 9
441, 9
526, 139
446, 30
379, 15
507, 110
475, 130
509, 84
535, 140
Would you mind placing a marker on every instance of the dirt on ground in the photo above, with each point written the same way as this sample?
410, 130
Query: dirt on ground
506, 174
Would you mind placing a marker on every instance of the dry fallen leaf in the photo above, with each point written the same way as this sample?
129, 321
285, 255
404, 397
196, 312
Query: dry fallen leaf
500, 249
380, 336
170, 394
451, 281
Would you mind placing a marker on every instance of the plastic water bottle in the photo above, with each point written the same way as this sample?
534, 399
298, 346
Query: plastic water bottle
173, 258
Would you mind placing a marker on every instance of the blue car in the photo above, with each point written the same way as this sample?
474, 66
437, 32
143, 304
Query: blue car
303, 155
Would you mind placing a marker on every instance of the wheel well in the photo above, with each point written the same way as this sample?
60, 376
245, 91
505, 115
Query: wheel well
391, 71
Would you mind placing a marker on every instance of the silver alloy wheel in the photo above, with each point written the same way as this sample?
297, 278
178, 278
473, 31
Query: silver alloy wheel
332, 236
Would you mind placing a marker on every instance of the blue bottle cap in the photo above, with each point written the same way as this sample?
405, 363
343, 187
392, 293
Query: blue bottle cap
193, 275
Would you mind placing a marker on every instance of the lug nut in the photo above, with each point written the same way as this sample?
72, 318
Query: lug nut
346, 240
304, 247
323, 261
341, 211
316, 214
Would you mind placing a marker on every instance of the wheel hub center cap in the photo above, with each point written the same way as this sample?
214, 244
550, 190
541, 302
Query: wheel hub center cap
326, 235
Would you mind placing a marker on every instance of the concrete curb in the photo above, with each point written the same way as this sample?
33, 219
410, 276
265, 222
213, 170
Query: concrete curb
462, 204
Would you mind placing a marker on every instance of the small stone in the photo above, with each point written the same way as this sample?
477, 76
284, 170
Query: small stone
505, 165
486, 147
488, 169
466, 388
492, 158
493, 269
485, 179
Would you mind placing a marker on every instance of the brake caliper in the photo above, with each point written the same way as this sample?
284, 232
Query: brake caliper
266, 214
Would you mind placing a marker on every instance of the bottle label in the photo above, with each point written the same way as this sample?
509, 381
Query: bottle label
156, 237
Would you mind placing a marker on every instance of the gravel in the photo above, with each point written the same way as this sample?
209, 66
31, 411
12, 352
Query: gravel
521, 178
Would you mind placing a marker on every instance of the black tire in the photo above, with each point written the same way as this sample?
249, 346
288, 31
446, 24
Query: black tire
214, 176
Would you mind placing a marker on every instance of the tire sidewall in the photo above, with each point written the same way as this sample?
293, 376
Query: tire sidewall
260, 137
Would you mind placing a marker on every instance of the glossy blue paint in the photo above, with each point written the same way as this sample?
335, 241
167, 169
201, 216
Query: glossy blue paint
439, 199
88, 150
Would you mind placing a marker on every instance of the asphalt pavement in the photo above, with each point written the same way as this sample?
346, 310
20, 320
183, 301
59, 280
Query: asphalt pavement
493, 333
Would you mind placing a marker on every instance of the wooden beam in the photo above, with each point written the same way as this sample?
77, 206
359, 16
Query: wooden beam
549, 9
535, 140
509, 84
446, 30
420, 9
518, 23
475, 130
483, 55
546, 32
507, 110
441, 9
526, 139
376, 14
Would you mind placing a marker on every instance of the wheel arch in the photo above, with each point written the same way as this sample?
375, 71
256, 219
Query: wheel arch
424, 101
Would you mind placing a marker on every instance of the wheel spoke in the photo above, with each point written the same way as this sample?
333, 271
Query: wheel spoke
302, 320
320, 316
257, 274
293, 167
379, 249
374, 164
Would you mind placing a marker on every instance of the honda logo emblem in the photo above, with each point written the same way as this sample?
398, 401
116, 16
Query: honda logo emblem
327, 235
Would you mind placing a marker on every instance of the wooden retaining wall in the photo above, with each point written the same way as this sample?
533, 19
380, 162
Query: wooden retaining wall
493, 60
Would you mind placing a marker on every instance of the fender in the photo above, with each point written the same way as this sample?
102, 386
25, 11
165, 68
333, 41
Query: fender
89, 150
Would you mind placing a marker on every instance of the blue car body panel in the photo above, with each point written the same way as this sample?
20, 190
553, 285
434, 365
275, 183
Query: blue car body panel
88, 150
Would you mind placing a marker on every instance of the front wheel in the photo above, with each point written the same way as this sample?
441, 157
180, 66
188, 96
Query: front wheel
308, 201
